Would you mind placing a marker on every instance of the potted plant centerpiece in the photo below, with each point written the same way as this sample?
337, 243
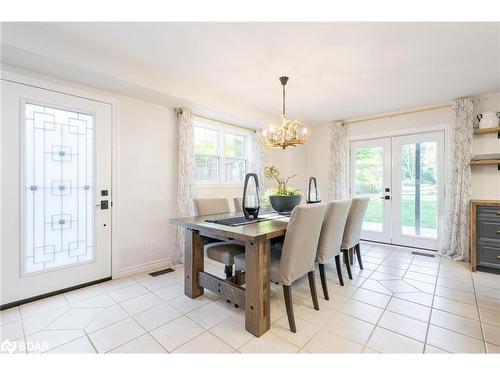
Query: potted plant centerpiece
283, 198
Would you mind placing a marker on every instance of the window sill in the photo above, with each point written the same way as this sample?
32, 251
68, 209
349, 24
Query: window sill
218, 185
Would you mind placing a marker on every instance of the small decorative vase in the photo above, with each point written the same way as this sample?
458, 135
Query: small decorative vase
284, 203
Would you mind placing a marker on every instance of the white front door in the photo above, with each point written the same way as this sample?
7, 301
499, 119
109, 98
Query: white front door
56, 171
403, 176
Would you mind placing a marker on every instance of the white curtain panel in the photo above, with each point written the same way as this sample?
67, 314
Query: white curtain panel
186, 176
454, 239
337, 172
258, 161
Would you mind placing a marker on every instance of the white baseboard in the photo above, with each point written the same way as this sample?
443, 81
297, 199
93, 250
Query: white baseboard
145, 267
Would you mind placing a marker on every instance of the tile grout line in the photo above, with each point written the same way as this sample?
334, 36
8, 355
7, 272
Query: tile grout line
365, 346
432, 306
24, 332
478, 312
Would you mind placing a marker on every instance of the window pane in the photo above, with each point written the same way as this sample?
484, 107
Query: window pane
206, 168
205, 141
369, 172
419, 189
234, 146
235, 170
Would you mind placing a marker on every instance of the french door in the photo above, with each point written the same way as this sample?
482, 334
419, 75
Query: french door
56, 191
403, 176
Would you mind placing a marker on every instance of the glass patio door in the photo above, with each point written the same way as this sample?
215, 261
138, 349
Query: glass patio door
403, 176
371, 177
417, 189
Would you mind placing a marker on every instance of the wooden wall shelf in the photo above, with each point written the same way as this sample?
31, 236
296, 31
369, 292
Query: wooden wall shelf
486, 162
487, 131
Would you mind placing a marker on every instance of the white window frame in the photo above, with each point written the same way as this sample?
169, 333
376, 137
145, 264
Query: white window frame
222, 130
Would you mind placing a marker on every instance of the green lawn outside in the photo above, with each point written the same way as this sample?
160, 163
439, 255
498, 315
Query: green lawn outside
428, 208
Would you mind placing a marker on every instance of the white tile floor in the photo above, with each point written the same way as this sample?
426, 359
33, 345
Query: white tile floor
398, 303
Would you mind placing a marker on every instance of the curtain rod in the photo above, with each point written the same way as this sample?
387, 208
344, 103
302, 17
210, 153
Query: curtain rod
390, 115
225, 122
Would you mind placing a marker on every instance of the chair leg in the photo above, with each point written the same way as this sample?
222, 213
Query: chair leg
339, 270
322, 276
287, 293
347, 263
228, 271
351, 255
312, 287
358, 254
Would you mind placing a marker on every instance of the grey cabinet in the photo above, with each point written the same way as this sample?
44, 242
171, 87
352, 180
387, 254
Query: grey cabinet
485, 235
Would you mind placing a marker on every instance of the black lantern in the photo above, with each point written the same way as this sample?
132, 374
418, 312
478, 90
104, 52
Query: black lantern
312, 191
251, 200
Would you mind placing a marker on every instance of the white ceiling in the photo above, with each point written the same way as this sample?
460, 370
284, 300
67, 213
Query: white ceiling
337, 70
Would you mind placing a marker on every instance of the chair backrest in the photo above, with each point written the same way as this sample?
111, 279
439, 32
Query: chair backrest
301, 241
332, 230
238, 204
210, 206
352, 232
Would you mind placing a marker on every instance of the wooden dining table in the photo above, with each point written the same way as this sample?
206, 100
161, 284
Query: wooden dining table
256, 238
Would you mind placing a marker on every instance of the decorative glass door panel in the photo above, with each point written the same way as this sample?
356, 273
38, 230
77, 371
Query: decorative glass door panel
59, 188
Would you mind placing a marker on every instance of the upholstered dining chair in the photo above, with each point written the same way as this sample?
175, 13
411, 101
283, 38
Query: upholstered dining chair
223, 251
330, 239
352, 232
238, 204
297, 255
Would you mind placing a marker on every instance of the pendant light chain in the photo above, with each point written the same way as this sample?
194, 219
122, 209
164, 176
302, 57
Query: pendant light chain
283, 100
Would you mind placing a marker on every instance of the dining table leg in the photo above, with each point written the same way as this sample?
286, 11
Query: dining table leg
257, 287
193, 263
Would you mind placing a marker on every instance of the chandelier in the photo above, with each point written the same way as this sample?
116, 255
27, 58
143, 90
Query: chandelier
290, 134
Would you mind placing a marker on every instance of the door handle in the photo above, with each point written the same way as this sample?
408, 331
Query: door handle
103, 205
386, 197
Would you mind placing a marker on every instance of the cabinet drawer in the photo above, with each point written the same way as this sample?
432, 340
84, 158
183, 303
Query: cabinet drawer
488, 231
489, 212
488, 256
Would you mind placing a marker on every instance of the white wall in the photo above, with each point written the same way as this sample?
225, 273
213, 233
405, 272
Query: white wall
485, 179
289, 162
147, 182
